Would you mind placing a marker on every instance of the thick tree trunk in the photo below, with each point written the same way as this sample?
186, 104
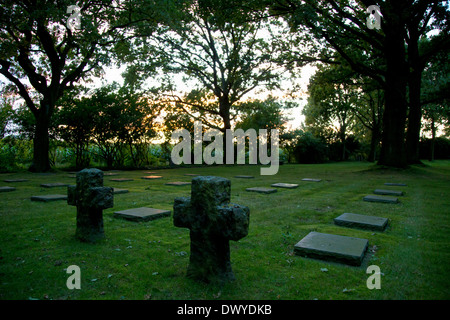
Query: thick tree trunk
415, 108
374, 140
41, 160
224, 111
394, 117
433, 138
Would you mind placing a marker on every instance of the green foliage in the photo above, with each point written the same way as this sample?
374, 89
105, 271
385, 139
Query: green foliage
267, 114
309, 149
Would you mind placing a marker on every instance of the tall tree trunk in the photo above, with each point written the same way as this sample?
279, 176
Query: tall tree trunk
415, 108
41, 141
433, 138
374, 140
394, 117
224, 111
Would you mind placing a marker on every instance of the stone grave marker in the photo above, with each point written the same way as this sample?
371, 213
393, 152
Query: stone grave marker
49, 197
177, 183
15, 180
261, 190
382, 199
388, 192
120, 191
353, 220
91, 198
7, 189
213, 221
395, 184
285, 185
54, 185
151, 177
244, 177
142, 214
330, 247
311, 180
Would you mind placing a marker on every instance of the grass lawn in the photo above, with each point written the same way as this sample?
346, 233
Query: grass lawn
149, 260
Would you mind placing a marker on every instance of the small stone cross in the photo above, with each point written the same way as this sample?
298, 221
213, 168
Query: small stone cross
212, 221
90, 198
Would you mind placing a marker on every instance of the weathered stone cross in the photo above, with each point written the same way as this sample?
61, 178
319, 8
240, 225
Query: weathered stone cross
90, 198
212, 221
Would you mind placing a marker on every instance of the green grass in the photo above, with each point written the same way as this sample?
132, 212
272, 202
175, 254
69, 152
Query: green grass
149, 260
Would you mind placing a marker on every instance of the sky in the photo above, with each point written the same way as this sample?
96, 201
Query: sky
113, 74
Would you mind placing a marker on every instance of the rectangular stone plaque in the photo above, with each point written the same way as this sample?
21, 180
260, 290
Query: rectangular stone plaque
7, 189
178, 183
383, 199
330, 247
395, 184
142, 214
261, 190
49, 197
285, 185
54, 185
151, 177
244, 177
121, 179
353, 220
15, 180
311, 180
388, 192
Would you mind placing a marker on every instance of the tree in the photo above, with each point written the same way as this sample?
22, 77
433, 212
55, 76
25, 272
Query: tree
43, 56
435, 96
75, 126
267, 114
331, 99
342, 25
220, 54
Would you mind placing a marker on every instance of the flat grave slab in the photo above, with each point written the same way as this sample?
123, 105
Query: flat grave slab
395, 184
120, 191
284, 185
261, 190
54, 185
7, 189
151, 177
150, 172
311, 180
244, 177
178, 183
49, 197
121, 179
15, 180
382, 199
353, 220
388, 192
330, 247
142, 214
110, 174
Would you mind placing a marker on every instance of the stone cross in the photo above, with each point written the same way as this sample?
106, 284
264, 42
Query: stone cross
212, 221
90, 198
